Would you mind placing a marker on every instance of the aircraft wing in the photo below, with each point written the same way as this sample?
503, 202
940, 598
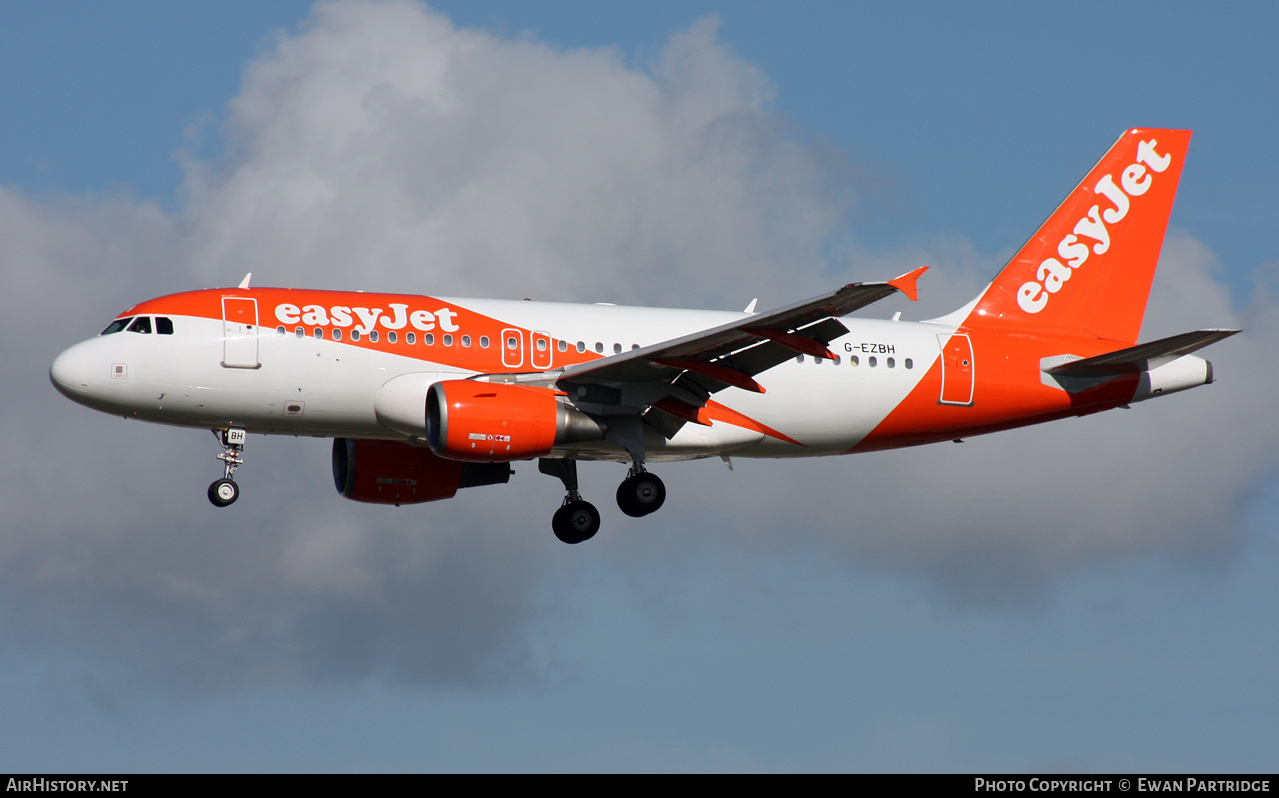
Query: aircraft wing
1141, 357
689, 369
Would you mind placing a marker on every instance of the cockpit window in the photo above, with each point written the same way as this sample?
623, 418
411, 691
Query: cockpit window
117, 325
163, 325
141, 324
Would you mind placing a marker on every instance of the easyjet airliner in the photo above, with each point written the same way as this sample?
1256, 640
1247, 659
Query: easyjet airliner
426, 395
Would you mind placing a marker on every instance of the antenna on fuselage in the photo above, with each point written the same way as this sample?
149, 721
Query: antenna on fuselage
245, 282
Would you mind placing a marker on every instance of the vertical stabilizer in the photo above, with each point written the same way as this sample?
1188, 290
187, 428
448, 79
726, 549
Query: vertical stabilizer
1088, 269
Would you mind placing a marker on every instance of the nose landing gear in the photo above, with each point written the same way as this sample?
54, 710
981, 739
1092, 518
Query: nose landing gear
224, 491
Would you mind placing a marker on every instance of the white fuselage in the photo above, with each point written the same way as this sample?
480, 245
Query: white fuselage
291, 384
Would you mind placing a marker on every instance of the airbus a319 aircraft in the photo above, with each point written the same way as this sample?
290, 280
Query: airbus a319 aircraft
426, 395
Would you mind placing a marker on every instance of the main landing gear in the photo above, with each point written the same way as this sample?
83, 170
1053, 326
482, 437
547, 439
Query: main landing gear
577, 520
640, 493
224, 491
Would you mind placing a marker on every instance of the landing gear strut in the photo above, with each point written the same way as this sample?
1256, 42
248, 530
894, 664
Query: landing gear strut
224, 491
576, 520
640, 493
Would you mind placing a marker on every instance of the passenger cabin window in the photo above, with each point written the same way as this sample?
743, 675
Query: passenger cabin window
163, 325
141, 324
117, 325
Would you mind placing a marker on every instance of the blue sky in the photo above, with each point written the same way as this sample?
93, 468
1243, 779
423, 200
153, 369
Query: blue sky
1098, 595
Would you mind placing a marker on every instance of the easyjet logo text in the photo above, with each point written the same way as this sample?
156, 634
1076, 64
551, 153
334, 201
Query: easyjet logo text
365, 319
1052, 274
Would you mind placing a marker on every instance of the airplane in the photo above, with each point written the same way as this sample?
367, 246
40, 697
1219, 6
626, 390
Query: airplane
424, 396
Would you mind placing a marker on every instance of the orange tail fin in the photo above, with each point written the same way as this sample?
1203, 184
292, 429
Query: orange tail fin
1088, 268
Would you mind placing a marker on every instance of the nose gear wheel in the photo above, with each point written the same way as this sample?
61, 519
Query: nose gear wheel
223, 492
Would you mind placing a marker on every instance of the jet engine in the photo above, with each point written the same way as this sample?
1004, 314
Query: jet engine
390, 472
485, 422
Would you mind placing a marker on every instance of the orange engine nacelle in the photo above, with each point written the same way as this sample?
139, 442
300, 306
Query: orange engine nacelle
389, 472
488, 422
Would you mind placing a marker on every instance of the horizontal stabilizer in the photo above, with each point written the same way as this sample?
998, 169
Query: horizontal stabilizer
1142, 357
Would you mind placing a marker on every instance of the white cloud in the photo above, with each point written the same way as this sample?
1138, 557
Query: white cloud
382, 148
385, 148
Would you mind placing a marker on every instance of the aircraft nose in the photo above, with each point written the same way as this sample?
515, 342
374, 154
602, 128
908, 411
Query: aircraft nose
72, 373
